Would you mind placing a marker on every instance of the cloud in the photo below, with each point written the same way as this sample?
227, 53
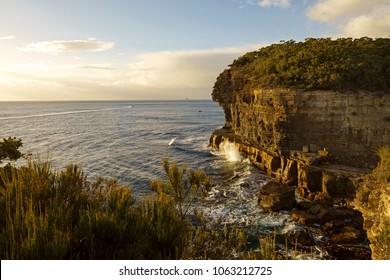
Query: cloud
153, 75
69, 46
268, 3
330, 10
94, 67
7, 38
275, 3
354, 18
182, 69
377, 25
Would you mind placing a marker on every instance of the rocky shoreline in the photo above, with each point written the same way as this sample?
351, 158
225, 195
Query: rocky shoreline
315, 173
328, 191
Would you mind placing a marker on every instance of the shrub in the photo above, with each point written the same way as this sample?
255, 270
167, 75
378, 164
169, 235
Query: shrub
324, 64
46, 214
9, 149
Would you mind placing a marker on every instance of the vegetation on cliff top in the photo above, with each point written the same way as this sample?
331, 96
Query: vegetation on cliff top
319, 64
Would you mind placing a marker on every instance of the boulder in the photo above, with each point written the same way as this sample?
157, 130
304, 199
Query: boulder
329, 226
274, 196
304, 217
346, 213
346, 235
321, 210
348, 252
304, 205
301, 237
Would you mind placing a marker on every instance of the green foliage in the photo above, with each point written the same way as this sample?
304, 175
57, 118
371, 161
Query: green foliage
61, 215
167, 233
9, 149
266, 251
214, 241
46, 214
185, 191
325, 64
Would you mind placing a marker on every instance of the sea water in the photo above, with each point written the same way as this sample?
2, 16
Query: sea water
127, 141
124, 140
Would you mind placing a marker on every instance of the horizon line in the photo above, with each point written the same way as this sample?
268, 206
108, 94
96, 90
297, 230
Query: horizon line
111, 100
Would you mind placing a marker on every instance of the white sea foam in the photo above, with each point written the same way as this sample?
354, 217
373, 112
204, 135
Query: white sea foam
189, 140
172, 141
59, 113
230, 151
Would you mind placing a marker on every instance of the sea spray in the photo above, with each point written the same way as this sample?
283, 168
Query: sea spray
230, 151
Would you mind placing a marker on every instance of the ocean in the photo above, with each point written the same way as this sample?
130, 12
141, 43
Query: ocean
127, 140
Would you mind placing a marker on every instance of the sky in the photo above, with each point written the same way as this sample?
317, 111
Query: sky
156, 49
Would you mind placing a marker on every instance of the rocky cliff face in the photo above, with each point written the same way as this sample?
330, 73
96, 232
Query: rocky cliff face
321, 141
350, 124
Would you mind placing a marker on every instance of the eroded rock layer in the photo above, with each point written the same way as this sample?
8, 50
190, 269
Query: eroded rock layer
321, 141
352, 124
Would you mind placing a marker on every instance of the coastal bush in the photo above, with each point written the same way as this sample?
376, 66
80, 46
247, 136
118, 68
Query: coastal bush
206, 239
61, 215
211, 240
186, 192
9, 149
319, 64
48, 214
373, 200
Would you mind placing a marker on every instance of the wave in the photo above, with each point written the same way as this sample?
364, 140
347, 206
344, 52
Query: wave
60, 113
190, 140
172, 141
229, 150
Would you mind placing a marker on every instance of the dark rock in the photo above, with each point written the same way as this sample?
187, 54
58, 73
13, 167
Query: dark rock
323, 197
348, 252
315, 208
321, 210
329, 226
325, 216
301, 237
275, 197
303, 205
346, 235
345, 213
304, 217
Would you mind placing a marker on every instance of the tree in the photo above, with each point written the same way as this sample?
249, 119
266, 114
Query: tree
9, 149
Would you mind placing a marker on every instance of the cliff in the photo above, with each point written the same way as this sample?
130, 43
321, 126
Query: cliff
321, 138
313, 115
352, 124
321, 141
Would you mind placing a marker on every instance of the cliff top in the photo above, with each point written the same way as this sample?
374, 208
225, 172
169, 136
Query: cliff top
319, 64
